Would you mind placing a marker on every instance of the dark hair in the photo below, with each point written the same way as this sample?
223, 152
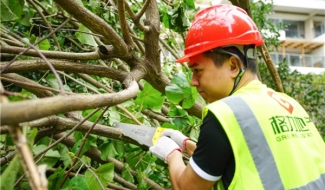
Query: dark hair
220, 57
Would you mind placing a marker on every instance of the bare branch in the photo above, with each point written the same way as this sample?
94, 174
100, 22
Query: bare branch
155, 115
96, 25
124, 24
17, 112
136, 19
24, 154
99, 85
55, 54
143, 10
173, 52
41, 55
46, 23
3, 35
269, 63
37, 89
82, 145
94, 153
67, 66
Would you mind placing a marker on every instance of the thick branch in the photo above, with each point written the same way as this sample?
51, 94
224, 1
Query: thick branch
63, 65
96, 25
17, 112
124, 24
29, 85
55, 54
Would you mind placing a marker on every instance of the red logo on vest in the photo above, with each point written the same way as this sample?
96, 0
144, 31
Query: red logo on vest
285, 104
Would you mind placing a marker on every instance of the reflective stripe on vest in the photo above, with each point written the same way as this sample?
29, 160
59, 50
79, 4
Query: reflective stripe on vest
258, 147
260, 150
317, 184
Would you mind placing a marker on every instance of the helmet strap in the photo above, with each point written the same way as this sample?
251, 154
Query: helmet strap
249, 52
241, 72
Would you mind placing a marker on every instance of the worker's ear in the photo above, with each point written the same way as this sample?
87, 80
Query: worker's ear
234, 66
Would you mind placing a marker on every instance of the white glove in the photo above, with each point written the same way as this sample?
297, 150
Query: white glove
176, 136
164, 147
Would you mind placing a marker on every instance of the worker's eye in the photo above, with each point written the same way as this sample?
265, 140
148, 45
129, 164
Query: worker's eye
196, 70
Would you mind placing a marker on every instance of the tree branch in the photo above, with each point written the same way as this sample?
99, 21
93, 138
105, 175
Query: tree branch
67, 66
96, 25
136, 18
124, 24
24, 154
17, 112
46, 23
95, 154
56, 54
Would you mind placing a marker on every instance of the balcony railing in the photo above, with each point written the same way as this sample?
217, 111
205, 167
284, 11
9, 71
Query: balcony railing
299, 60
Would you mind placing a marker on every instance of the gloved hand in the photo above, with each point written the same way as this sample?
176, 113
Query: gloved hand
164, 147
176, 136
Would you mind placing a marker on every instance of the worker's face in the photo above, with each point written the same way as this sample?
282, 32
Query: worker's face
212, 82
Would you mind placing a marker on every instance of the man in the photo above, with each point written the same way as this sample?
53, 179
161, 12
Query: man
251, 137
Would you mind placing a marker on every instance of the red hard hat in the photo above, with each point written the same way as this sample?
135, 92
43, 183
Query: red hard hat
220, 25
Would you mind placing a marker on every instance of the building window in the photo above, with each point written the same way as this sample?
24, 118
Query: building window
319, 29
294, 29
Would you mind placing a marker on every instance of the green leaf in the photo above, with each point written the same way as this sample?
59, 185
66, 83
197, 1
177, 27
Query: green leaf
76, 147
138, 161
106, 171
105, 174
6, 13
56, 178
190, 4
50, 158
78, 183
65, 158
182, 91
8, 176
85, 38
44, 44
190, 97
112, 115
49, 153
26, 16
150, 98
119, 147
165, 20
16, 7
169, 125
93, 117
142, 183
92, 181
94, 4
180, 80
107, 150
31, 136
24, 93
126, 174
174, 94
51, 80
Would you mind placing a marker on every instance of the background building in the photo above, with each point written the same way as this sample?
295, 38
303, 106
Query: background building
303, 37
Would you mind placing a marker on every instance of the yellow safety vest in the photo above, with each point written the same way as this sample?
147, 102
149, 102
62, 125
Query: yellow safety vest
275, 143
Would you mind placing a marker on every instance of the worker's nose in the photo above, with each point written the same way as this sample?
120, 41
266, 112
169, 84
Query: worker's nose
194, 81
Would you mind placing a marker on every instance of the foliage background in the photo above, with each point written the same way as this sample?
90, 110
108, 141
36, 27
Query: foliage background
95, 156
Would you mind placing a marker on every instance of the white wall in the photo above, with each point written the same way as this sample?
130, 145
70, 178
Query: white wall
312, 4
